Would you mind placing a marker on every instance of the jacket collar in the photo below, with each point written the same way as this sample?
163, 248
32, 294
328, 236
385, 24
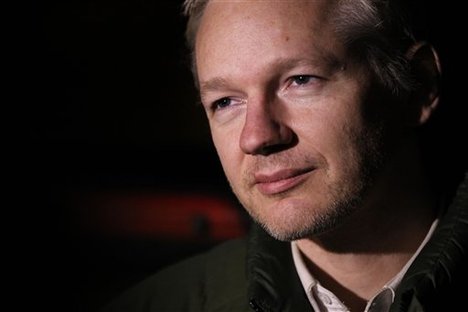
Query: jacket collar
441, 264
273, 282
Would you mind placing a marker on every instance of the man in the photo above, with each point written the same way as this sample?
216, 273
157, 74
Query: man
314, 109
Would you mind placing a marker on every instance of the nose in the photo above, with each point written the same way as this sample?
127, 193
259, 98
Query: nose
264, 132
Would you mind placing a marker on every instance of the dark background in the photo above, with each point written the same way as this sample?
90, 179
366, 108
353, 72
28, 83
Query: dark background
106, 106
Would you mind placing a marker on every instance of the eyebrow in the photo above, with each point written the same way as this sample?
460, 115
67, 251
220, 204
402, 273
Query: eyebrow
214, 84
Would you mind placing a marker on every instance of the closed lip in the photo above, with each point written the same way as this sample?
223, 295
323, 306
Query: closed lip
281, 181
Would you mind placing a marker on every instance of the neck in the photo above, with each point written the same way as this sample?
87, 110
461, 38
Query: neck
357, 259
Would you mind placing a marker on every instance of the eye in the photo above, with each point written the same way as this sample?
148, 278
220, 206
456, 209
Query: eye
222, 103
302, 79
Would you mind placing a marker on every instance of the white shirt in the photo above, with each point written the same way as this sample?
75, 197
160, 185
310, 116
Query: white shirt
324, 300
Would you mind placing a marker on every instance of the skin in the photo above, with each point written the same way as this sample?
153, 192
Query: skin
312, 145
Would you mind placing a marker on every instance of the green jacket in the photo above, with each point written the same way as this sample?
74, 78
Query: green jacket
258, 274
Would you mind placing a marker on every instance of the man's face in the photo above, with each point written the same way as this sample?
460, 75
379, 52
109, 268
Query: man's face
287, 109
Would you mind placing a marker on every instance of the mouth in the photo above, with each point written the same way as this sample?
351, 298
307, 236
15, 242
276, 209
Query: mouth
281, 181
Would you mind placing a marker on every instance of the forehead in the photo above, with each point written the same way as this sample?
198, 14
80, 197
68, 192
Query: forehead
269, 12
262, 29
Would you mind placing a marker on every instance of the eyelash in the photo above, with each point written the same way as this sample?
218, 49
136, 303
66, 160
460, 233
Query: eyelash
307, 78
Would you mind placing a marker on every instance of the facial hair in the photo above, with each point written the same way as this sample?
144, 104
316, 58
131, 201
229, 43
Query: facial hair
346, 195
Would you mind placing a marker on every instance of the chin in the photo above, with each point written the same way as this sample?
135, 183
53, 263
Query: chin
287, 221
297, 219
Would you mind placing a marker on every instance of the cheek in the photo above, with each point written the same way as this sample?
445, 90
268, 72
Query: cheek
334, 135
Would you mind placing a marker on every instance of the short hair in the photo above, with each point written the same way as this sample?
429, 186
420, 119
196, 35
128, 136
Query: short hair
377, 32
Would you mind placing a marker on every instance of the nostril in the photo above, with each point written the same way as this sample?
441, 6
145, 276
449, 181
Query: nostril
266, 140
272, 149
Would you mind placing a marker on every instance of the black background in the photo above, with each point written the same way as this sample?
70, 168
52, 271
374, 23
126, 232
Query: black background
106, 102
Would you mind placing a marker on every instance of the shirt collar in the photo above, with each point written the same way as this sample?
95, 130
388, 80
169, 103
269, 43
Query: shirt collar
322, 299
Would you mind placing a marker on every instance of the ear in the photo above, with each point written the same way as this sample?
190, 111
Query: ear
426, 70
